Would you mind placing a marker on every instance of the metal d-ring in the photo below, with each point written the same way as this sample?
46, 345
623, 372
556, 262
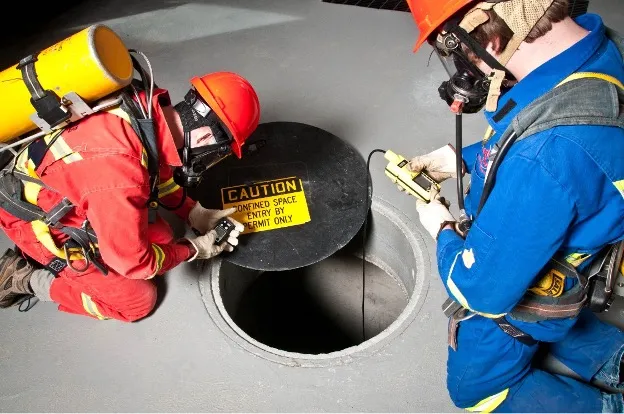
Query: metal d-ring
84, 255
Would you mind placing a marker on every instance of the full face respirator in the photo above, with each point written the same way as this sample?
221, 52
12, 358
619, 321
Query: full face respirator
198, 159
468, 88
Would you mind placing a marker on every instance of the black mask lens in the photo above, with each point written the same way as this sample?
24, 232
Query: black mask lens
197, 161
466, 82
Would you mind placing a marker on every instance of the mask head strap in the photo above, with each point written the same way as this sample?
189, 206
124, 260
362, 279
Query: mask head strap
463, 36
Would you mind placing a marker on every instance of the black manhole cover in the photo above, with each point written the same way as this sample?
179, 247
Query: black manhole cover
302, 196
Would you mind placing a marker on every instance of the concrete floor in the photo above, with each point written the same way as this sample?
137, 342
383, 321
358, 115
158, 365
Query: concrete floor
346, 69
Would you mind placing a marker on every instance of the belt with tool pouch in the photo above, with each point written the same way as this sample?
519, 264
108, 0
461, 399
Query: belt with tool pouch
593, 288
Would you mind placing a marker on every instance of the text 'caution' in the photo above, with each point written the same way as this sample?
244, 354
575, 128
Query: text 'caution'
268, 205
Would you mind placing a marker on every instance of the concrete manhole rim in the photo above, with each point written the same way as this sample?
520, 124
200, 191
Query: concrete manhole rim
210, 292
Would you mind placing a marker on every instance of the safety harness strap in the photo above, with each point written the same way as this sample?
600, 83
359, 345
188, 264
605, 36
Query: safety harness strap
85, 239
514, 332
11, 199
46, 102
144, 128
57, 212
534, 308
24, 177
15, 199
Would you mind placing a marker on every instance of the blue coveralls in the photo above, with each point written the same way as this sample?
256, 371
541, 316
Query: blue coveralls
555, 190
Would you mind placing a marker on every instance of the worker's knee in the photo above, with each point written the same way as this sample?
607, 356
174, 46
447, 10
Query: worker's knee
139, 303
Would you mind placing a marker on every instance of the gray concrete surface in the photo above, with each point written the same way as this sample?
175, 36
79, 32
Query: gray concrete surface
346, 69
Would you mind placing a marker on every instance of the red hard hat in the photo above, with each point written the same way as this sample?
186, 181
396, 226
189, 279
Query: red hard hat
429, 15
234, 101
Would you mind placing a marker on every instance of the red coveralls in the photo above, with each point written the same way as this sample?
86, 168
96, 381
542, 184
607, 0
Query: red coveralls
99, 164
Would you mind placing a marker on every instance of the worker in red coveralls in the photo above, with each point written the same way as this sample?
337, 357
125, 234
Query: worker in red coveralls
81, 203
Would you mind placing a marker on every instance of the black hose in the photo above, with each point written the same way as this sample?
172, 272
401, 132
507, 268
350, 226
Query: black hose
364, 230
491, 175
173, 208
459, 161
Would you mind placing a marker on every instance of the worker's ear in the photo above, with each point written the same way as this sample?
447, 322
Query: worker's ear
494, 47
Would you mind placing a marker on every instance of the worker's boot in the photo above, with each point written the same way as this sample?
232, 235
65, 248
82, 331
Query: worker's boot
15, 273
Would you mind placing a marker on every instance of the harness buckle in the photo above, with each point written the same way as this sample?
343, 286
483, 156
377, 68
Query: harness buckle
53, 218
85, 256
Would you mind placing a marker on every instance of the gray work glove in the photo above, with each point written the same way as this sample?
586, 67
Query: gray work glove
203, 219
205, 247
435, 214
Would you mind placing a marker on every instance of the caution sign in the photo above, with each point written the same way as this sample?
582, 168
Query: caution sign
268, 205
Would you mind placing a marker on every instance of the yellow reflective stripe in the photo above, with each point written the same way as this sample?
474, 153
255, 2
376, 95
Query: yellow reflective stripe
31, 192
73, 157
120, 113
489, 132
42, 233
489, 404
575, 259
160, 258
167, 188
595, 75
165, 184
453, 287
144, 158
60, 149
461, 298
91, 307
25, 165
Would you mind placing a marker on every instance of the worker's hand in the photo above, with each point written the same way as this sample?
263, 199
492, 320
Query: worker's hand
203, 219
434, 215
205, 247
439, 164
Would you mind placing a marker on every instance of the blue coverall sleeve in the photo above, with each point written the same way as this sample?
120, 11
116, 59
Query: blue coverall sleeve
469, 154
521, 226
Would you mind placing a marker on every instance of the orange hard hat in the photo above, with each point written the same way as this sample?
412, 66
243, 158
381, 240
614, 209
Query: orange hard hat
429, 15
234, 101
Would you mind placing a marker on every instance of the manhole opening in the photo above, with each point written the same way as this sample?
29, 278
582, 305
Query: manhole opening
315, 309
312, 316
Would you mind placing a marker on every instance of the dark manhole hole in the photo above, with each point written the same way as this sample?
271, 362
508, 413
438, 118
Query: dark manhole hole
317, 309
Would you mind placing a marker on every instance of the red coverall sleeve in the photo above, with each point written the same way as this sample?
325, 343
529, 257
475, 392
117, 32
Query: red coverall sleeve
119, 218
173, 199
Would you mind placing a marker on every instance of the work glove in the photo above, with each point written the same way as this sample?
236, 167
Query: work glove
439, 164
205, 247
203, 219
434, 215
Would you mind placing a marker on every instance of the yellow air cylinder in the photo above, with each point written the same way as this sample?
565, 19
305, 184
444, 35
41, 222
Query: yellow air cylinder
92, 63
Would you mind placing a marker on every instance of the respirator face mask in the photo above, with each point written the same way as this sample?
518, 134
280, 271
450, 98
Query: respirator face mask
467, 83
196, 161
468, 87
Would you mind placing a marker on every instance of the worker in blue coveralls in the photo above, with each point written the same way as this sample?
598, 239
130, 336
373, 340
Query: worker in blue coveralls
552, 91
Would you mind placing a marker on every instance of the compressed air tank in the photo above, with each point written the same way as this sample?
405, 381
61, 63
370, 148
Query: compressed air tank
93, 63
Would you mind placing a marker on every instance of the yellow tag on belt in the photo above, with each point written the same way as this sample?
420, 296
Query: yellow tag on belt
551, 284
268, 205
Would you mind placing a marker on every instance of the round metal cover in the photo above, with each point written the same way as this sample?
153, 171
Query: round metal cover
300, 191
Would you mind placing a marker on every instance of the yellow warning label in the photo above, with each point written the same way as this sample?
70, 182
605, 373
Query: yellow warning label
268, 205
